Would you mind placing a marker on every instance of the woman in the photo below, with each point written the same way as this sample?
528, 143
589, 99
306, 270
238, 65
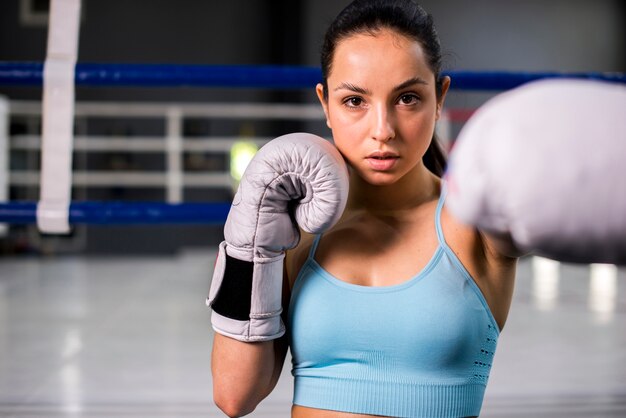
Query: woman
396, 310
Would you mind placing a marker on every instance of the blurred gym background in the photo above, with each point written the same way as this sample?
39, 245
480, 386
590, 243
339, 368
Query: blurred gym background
110, 320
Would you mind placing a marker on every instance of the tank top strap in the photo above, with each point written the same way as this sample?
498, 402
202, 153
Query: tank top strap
313, 249
442, 198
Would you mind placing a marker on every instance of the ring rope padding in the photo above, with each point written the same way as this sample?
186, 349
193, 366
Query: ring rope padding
123, 213
250, 76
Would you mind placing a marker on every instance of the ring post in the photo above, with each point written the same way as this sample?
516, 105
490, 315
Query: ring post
58, 117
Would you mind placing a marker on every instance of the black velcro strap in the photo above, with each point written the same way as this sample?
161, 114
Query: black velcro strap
234, 297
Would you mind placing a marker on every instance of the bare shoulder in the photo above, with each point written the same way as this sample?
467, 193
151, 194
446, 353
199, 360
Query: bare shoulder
491, 248
493, 270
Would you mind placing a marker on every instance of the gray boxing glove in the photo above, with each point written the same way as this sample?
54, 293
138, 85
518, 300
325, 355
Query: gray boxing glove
295, 180
545, 164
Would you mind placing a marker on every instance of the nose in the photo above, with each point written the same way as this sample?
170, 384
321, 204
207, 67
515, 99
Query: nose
383, 128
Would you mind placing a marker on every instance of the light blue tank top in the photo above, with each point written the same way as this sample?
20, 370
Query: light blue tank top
422, 348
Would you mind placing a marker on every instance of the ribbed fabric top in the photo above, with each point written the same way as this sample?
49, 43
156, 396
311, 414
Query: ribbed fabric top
422, 348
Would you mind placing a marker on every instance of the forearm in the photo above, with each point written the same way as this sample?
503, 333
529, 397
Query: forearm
244, 373
297, 180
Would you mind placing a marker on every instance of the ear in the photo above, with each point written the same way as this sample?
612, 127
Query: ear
319, 89
445, 85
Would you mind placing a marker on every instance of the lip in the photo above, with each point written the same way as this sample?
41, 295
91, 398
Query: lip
382, 160
383, 154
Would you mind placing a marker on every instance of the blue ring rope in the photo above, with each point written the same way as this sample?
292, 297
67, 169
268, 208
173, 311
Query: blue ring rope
123, 213
269, 76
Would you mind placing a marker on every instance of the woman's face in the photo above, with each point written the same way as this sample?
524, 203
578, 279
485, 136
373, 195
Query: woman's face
382, 105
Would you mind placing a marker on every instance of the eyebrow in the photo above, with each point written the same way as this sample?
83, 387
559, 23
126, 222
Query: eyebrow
401, 86
410, 82
352, 87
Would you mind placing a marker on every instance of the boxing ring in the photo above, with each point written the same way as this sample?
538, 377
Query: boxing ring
207, 76
130, 334
591, 297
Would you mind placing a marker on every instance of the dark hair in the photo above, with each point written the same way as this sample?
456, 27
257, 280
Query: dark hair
407, 18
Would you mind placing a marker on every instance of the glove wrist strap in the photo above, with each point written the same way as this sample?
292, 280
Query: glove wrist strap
246, 297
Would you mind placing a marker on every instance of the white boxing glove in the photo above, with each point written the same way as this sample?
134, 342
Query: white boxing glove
546, 163
295, 180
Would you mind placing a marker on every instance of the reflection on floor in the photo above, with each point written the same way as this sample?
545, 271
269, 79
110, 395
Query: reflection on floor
130, 337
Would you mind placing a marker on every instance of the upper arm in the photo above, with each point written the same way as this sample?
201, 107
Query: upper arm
500, 245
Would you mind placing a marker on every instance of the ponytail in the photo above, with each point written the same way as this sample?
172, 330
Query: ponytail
434, 158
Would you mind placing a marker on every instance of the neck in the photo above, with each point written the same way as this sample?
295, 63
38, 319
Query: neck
411, 191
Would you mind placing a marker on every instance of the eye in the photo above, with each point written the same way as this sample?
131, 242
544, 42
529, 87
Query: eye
408, 99
353, 102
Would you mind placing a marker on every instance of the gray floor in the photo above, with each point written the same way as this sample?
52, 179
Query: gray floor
130, 337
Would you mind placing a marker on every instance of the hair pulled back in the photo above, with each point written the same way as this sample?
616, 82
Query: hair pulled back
404, 17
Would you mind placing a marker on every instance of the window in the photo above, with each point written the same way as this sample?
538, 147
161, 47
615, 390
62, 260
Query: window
34, 12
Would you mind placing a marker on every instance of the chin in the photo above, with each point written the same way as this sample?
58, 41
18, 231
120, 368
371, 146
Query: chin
379, 178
